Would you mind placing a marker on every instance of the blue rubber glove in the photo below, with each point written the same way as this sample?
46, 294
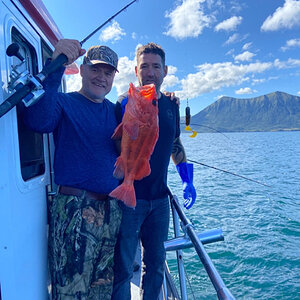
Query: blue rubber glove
189, 193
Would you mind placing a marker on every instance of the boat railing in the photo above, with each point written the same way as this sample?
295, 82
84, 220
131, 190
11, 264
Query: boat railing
196, 240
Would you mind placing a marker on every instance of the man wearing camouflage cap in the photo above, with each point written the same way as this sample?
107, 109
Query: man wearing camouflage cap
84, 221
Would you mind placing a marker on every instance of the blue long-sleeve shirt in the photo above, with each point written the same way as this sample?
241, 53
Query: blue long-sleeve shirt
84, 151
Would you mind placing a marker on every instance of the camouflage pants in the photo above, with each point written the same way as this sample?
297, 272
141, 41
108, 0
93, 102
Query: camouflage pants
82, 236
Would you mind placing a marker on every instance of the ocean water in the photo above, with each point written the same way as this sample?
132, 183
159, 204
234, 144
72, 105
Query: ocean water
260, 257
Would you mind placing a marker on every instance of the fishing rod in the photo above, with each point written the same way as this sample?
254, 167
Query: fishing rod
209, 128
107, 21
228, 172
27, 87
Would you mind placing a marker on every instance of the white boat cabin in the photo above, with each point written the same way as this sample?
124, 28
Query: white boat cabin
26, 175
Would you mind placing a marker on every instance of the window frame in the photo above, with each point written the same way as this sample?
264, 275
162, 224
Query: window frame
31, 144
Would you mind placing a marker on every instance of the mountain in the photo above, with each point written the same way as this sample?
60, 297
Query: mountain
276, 111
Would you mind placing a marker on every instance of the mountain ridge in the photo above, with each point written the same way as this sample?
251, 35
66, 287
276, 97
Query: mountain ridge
276, 111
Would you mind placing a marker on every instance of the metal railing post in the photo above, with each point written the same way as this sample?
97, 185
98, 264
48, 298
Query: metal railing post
179, 256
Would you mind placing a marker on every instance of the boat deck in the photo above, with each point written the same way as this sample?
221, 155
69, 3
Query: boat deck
136, 279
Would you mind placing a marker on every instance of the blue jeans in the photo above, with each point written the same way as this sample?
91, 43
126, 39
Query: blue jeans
148, 222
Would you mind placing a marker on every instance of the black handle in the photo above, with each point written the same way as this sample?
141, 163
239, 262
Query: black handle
14, 99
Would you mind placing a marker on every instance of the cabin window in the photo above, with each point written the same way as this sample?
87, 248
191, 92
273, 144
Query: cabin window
31, 143
46, 52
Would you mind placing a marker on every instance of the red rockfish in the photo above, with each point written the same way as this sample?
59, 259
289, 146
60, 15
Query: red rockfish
139, 133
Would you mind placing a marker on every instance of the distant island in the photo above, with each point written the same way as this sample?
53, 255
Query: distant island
276, 111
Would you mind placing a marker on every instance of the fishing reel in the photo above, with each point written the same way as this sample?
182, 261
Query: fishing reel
19, 79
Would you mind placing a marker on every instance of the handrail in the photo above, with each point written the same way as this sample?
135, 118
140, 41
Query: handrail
168, 280
223, 292
183, 242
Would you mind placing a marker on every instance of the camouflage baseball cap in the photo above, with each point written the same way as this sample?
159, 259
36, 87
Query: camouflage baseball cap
101, 55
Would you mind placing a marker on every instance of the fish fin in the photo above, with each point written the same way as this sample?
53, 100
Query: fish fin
132, 129
144, 170
125, 193
118, 132
119, 168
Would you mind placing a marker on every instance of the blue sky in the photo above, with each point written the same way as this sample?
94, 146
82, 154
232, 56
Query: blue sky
213, 48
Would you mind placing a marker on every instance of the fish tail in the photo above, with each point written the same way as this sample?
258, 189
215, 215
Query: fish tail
125, 193
119, 168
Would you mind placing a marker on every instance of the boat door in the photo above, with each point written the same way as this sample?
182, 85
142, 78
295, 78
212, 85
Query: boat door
24, 171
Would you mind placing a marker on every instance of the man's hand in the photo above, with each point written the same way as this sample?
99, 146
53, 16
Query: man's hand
71, 48
172, 96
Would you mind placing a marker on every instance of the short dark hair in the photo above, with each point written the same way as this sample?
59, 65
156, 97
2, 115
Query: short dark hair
151, 48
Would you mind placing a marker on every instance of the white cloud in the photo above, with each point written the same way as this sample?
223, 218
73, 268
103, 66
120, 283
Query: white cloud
187, 20
169, 81
212, 77
279, 64
172, 70
229, 24
257, 81
290, 63
126, 75
291, 44
298, 93
245, 56
246, 90
73, 82
137, 47
273, 78
247, 46
235, 6
230, 52
113, 32
232, 39
287, 16
134, 36
235, 38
